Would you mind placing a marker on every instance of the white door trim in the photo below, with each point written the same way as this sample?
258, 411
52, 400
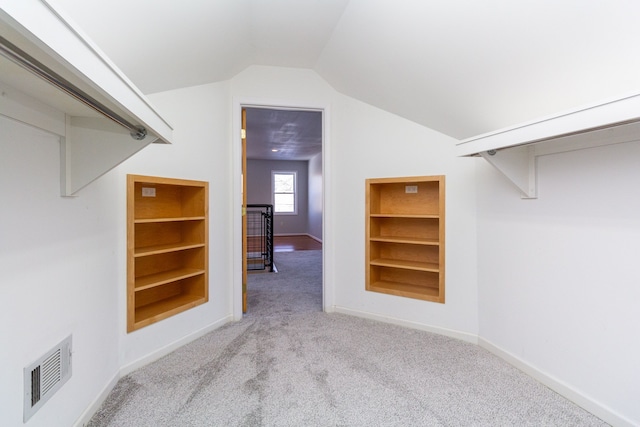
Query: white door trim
328, 289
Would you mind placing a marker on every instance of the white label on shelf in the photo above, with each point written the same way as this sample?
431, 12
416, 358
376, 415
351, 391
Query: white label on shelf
148, 192
410, 188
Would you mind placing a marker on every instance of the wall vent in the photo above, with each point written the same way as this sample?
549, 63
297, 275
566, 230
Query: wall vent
45, 376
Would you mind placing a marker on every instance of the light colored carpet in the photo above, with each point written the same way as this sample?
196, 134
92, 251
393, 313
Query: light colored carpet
289, 364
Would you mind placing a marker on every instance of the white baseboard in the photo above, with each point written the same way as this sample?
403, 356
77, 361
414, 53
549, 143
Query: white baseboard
163, 351
603, 412
97, 402
152, 357
317, 239
464, 336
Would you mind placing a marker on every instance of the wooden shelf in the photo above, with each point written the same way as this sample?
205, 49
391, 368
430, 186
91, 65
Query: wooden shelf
151, 313
408, 227
405, 237
407, 265
176, 219
167, 248
407, 240
406, 290
390, 215
158, 279
161, 249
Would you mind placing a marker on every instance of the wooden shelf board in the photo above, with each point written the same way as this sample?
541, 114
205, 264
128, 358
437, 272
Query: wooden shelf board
165, 277
406, 290
407, 265
409, 240
174, 219
393, 215
151, 313
158, 180
162, 249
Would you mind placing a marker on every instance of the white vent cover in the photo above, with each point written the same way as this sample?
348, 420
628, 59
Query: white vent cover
45, 376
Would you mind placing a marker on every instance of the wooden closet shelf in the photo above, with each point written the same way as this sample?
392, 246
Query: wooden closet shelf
159, 279
394, 215
408, 240
405, 236
163, 249
406, 290
173, 219
164, 308
167, 248
407, 265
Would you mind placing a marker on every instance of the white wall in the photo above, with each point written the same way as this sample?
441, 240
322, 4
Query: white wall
58, 276
63, 260
363, 142
314, 221
371, 143
282, 87
201, 117
559, 278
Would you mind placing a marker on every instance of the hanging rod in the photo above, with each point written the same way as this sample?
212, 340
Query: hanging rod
24, 60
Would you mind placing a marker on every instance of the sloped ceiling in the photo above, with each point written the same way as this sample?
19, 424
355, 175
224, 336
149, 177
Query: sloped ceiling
462, 67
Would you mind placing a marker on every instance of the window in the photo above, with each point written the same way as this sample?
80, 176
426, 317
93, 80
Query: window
284, 192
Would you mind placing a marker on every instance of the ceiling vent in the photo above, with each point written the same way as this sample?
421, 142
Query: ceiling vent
45, 376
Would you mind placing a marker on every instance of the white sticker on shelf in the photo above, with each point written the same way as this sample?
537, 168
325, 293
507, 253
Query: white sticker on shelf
410, 188
148, 192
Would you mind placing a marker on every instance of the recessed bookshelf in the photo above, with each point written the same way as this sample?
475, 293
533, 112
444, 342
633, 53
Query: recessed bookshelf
167, 248
405, 237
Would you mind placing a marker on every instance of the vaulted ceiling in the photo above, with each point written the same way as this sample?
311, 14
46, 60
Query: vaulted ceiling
462, 67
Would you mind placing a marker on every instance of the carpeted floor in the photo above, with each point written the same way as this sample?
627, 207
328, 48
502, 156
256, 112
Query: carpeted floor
289, 364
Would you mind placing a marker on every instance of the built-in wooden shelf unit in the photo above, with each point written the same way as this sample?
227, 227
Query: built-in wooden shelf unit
167, 248
404, 246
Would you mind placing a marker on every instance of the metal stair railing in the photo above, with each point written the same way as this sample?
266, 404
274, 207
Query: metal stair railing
259, 237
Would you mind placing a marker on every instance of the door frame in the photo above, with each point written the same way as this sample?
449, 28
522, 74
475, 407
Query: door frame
327, 249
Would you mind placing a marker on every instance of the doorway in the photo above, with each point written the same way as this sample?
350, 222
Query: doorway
283, 142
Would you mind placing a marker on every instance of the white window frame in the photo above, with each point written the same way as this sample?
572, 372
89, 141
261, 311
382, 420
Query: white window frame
295, 191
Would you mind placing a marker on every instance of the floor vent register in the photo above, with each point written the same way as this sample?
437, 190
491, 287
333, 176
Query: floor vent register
45, 376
